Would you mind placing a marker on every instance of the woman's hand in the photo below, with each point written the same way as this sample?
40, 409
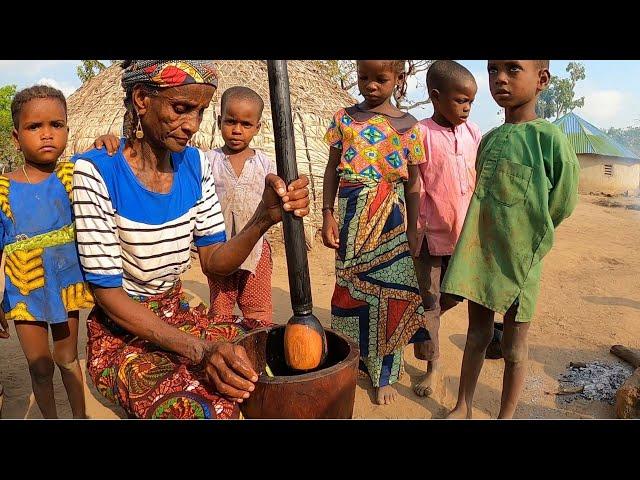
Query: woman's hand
110, 142
330, 231
293, 199
229, 370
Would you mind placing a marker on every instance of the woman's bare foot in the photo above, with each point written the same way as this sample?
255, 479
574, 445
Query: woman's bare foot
459, 413
386, 395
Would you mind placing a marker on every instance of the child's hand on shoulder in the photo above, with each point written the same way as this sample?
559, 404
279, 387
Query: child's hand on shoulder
4, 326
109, 141
330, 233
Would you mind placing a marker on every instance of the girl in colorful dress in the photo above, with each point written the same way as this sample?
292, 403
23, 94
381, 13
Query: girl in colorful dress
376, 300
44, 285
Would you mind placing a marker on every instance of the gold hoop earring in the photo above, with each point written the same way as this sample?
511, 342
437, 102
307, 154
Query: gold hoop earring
139, 132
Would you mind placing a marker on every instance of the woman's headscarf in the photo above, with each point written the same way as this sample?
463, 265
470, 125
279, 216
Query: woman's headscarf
168, 73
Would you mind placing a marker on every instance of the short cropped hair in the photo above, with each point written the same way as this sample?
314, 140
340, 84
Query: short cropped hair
28, 94
443, 74
241, 93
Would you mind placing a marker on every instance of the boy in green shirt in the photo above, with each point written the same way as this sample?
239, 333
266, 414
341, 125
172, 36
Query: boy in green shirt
527, 182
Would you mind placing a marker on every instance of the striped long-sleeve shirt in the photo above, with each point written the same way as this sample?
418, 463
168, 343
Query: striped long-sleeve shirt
131, 237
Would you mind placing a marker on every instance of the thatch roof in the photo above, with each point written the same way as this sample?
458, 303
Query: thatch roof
96, 108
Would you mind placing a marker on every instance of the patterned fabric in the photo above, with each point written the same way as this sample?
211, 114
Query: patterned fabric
168, 73
239, 196
385, 370
376, 300
43, 280
374, 148
252, 291
137, 239
66, 234
150, 382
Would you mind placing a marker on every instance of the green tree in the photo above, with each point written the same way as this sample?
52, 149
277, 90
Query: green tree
559, 97
9, 156
629, 137
89, 69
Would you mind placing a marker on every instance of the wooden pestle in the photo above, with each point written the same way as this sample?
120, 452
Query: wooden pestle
305, 342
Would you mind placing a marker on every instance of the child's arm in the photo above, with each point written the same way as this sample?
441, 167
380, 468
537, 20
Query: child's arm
416, 161
330, 233
413, 206
4, 332
109, 141
563, 196
4, 326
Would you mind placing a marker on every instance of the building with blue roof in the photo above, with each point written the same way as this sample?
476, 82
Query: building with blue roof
607, 166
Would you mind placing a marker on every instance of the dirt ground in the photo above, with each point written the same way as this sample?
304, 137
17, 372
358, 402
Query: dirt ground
589, 300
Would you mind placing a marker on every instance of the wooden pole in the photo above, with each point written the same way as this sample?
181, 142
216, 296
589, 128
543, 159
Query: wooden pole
305, 340
297, 262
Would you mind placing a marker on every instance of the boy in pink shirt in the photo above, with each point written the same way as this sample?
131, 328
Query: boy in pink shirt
447, 180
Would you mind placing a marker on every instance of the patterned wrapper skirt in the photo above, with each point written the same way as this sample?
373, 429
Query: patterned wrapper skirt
376, 300
149, 382
252, 292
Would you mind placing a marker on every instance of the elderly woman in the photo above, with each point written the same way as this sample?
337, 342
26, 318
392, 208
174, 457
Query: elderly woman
137, 214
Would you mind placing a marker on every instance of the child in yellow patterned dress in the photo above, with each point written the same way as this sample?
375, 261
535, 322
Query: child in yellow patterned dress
376, 300
44, 285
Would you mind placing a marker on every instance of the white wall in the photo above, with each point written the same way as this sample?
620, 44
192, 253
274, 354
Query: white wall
625, 178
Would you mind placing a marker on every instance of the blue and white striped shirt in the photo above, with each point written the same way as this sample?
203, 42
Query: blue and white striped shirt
137, 239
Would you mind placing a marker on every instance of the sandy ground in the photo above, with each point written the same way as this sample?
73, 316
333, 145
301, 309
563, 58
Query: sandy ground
589, 300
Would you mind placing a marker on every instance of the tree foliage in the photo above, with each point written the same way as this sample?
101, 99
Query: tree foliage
89, 69
9, 156
559, 96
629, 137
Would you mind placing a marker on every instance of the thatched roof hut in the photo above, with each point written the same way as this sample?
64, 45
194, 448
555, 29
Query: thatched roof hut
97, 108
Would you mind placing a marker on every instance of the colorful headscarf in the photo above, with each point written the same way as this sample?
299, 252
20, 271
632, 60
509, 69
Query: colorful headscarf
168, 73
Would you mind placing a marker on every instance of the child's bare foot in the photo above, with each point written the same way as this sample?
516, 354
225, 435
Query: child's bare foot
459, 413
423, 387
386, 395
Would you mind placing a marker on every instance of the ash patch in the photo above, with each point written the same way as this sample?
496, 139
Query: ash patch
599, 381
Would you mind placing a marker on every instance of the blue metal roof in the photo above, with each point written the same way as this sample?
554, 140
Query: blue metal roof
585, 138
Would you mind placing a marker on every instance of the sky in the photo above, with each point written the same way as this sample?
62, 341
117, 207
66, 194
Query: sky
611, 89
